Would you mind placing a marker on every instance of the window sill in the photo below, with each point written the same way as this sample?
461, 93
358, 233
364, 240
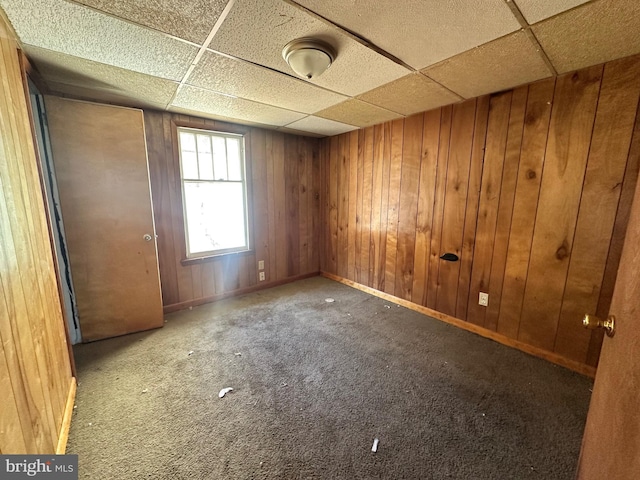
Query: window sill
211, 258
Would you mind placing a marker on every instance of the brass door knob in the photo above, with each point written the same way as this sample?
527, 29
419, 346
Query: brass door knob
592, 322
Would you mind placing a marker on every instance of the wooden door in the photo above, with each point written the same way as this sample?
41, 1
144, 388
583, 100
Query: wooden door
100, 158
611, 443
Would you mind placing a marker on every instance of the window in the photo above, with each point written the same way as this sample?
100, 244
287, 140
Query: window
214, 193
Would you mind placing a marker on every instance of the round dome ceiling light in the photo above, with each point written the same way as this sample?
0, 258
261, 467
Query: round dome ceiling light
308, 57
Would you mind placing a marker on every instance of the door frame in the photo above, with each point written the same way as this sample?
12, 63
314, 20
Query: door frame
28, 72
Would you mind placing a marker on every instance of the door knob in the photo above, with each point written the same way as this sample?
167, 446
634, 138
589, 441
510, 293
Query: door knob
592, 322
147, 237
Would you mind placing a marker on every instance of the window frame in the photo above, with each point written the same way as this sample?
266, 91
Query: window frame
212, 127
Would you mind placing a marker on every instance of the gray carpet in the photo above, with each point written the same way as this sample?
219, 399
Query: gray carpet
313, 384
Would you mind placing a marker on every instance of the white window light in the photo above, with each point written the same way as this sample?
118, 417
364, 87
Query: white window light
214, 192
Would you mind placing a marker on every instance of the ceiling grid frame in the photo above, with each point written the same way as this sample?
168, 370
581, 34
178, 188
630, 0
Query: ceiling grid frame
359, 107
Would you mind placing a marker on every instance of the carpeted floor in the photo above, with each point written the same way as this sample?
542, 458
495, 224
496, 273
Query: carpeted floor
313, 384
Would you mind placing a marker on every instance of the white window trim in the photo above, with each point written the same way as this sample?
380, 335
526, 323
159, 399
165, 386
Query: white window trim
244, 181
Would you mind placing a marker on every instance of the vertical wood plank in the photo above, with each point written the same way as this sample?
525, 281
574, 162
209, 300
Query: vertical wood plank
534, 143
196, 280
359, 199
411, 156
292, 189
231, 273
367, 203
172, 162
208, 280
384, 207
397, 145
279, 188
246, 270
343, 205
218, 275
488, 207
376, 205
160, 193
333, 205
426, 196
13, 439
473, 199
505, 207
303, 159
260, 198
20, 367
455, 204
612, 131
270, 271
570, 132
324, 205
438, 207
314, 209
353, 204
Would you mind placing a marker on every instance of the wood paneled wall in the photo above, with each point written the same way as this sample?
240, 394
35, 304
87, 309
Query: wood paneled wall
529, 187
284, 181
35, 369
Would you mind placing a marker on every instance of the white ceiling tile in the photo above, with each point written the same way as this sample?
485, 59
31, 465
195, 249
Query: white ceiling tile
67, 74
420, 32
257, 30
102, 96
536, 10
411, 94
504, 63
321, 126
293, 131
199, 100
188, 19
593, 33
359, 113
246, 80
82, 32
220, 118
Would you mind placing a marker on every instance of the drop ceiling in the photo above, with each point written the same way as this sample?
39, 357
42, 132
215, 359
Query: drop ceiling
222, 59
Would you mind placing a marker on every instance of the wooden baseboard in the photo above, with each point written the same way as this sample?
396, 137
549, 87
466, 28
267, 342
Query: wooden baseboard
66, 419
254, 288
483, 332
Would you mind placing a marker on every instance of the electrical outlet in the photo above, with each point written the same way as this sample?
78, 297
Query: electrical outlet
261, 265
261, 276
484, 299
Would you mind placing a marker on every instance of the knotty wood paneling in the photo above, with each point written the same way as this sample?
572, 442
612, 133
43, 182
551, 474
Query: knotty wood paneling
284, 178
409, 188
532, 154
530, 187
352, 220
366, 149
572, 118
455, 203
397, 134
376, 211
424, 216
496, 141
604, 175
35, 368
442, 161
473, 199
505, 208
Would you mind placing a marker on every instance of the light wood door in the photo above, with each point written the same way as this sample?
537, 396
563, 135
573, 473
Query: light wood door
100, 158
611, 444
